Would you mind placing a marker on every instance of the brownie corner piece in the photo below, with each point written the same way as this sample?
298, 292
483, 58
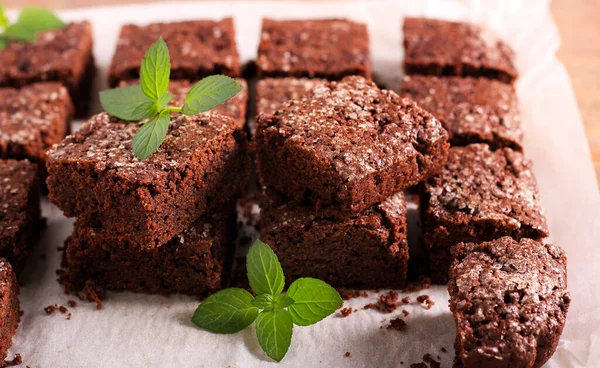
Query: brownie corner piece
368, 250
192, 262
348, 146
479, 195
322, 48
198, 48
444, 48
473, 110
9, 307
201, 164
61, 55
20, 214
509, 299
32, 119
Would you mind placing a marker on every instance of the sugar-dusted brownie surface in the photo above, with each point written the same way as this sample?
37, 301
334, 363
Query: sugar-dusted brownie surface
272, 92
32, 119
368, 250
20, 215
479, 195
473, 110
443, 48
191, 263
347, 146
235, 107
63, 55
322, 48
197, 48
94, 175
9, 307
509, 299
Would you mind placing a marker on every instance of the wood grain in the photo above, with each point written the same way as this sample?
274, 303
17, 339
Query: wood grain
579, 25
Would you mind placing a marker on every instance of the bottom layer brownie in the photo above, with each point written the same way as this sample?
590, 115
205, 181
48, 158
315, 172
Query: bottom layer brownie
9, 307
20, 215
510, 300
191, 263
369, 250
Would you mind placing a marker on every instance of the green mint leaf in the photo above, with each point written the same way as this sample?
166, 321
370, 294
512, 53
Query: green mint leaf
209, 93
227, 311
3, 43
264, 271
144, 111
39, 19
155, 70
313, 300
164, 100
264, 301
3, 17
282, 300
122, 102
274, 331
19, 32
150, 136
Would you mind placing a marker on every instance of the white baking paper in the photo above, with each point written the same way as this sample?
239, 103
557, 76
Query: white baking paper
136, 330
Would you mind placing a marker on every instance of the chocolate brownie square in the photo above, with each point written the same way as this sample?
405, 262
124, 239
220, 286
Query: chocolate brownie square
479, 195
32, 119
20, 214
197, 48
368, 250
442, 48
235, 108
190, 263
347, 146
93, 175
9, 307
473, 110
62, 55
510, 300
322, 48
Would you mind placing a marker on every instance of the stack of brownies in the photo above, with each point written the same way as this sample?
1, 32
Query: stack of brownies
38, 81
334, 159
167, 224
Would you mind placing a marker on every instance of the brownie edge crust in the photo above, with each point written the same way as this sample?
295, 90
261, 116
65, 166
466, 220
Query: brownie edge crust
509, 301
9, 307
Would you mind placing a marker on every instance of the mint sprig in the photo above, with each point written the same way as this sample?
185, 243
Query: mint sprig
31, 20
306, 302
150, 99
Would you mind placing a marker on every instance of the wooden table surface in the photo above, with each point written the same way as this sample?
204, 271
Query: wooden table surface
579, 25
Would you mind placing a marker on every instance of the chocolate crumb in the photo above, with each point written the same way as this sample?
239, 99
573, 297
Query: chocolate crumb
93, 293
347, 354
424, 299
387, 303
406, 300
63, 309
50, 309
16, 360
444, 350
21, 313
427, 358
397, 324
69, 316
351, 294
345, 312
72, 303
405, 312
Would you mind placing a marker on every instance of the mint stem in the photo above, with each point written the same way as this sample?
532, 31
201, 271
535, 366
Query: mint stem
173, 108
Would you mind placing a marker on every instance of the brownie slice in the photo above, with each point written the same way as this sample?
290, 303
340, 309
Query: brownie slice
479, 195
94, 175
509, 299
473, 110
32, 119
439, 47
347, 146
190, 263
20, 214
63, 55
197, 48
368, 250
235, 108
322, 48
9, 307
272, 92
